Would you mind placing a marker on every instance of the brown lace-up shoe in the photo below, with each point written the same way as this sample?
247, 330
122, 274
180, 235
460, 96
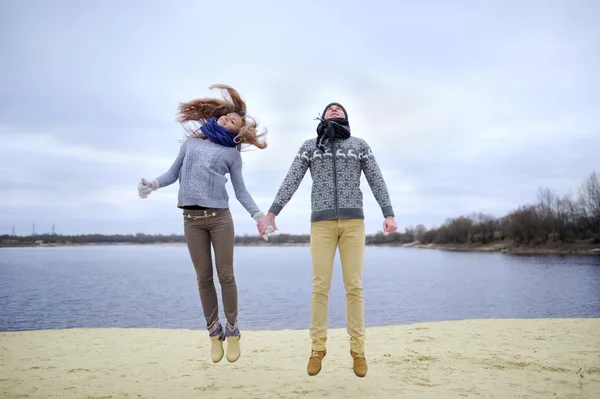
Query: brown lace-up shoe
360, 364
314, 363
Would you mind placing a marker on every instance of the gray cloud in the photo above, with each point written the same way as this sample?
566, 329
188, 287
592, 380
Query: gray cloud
468, 107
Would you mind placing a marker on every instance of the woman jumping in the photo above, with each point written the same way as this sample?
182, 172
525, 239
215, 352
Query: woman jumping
209, 152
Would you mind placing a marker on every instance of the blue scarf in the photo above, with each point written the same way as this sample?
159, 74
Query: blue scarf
218, 134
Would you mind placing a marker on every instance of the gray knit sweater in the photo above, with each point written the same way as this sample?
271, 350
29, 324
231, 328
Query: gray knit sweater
336, 176
201, 167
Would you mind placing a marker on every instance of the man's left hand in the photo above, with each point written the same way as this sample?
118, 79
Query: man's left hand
389, 225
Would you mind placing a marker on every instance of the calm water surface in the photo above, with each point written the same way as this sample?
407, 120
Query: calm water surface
155, 286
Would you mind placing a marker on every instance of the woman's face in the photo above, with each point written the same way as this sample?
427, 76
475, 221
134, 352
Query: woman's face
231, 121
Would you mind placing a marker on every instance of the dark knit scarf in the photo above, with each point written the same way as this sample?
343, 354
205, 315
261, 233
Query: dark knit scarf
331, 128
218, 134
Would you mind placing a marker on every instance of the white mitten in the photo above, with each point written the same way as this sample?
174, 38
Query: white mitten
145, 187
267, 233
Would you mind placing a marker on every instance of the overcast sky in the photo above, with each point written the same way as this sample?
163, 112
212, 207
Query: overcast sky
469, 106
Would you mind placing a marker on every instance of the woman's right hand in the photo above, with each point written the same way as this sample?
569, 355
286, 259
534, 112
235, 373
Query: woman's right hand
145, 187
266, 221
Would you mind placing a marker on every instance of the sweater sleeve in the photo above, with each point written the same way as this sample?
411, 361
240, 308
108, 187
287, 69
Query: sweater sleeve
292, 180
171, 175
375, 179
239, 187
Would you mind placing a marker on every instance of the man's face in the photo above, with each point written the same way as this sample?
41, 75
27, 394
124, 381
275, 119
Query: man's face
334, 111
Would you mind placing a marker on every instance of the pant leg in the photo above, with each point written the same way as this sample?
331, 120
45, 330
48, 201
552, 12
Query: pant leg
352, 256
198, 243
323, 244
222, 236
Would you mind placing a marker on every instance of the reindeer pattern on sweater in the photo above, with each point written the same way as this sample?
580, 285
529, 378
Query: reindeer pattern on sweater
336, 174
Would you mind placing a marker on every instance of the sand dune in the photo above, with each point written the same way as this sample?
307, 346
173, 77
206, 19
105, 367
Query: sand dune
540, 358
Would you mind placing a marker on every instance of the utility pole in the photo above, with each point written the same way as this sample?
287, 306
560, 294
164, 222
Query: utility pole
33, 230
13, 231
53, 229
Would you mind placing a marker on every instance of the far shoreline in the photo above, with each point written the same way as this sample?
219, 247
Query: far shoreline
506, 247
512, 248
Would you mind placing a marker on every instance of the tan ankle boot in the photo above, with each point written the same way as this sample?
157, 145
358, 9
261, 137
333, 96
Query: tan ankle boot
315, 361
233, 348
360, 364
216, 349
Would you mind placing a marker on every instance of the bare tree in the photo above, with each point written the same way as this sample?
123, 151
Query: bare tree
590, 196
420, 231
524, 224
545, 214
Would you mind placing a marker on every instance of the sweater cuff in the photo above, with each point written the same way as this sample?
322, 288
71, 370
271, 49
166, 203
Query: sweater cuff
258, 215
275, 208
387, 211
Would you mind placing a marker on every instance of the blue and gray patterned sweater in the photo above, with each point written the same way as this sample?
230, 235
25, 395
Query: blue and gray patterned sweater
336, 176
201, 167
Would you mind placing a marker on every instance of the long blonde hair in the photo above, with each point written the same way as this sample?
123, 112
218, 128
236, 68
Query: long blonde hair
200, 110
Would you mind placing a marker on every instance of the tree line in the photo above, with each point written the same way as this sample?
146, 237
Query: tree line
551, 218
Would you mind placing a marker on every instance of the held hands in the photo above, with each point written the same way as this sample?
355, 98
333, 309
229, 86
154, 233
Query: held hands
266, 221
145, 187
389, 225
267, 230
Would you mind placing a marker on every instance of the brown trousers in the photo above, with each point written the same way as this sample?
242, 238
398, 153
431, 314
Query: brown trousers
203, 228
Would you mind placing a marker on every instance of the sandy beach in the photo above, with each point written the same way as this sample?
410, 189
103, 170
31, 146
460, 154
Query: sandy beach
506, 358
